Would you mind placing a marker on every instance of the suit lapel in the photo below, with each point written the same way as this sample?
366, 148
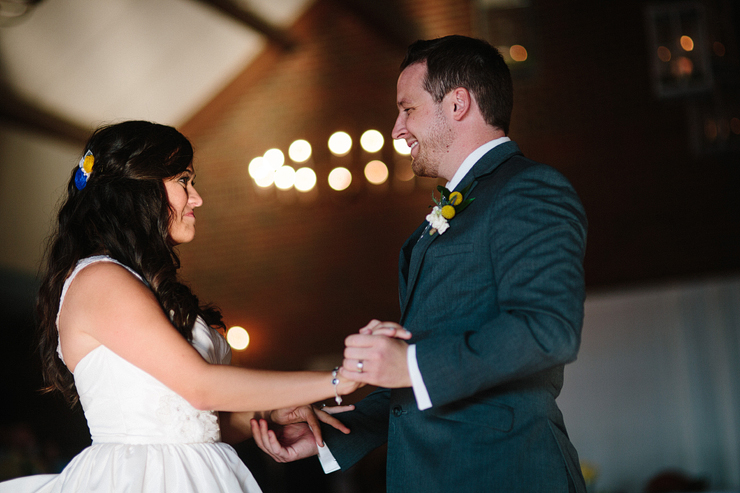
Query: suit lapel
405, 261
417, 251
415, 248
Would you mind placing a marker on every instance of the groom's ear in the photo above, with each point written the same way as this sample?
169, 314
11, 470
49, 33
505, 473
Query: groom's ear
460, 101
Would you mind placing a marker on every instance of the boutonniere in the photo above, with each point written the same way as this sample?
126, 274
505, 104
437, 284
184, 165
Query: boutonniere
448, 206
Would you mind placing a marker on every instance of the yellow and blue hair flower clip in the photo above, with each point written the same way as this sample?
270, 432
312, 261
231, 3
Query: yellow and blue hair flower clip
83, 171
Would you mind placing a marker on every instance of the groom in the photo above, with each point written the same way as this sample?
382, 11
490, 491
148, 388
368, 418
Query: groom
491, 292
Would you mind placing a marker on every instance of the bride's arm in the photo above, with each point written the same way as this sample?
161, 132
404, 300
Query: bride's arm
106, 304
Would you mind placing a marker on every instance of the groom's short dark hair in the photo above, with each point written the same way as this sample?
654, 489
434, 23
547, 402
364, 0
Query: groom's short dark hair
459, 61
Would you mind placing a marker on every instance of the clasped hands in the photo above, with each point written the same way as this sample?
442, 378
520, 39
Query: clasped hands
376, 356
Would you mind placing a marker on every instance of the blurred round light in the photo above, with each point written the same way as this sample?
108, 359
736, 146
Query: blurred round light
518, 53
274, 158
376, 172
664, 54
258, 168
687, 43
401, 147
305, 179
285, 177
266, 180
718, 48
372, 141
735, 125
683, 67
237, 337
299, 151
340, 143
340, 178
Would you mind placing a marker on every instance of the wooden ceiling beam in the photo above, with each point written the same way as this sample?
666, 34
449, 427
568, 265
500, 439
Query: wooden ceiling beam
274, 34
19, 113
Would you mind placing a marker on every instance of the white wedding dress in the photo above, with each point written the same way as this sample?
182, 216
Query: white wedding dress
145, 437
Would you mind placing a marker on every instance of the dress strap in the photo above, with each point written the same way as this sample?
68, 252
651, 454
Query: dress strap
81, 265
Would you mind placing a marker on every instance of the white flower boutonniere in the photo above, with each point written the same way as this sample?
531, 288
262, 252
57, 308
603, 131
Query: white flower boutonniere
448, 206
437, 220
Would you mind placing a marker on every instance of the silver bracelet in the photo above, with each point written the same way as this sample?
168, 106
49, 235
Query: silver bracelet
335, 383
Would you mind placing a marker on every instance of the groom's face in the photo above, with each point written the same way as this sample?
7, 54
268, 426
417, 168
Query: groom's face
421, 122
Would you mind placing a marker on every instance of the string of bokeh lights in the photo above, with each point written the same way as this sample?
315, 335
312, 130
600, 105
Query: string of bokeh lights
272, 168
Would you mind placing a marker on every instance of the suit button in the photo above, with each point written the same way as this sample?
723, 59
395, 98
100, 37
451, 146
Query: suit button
397, 411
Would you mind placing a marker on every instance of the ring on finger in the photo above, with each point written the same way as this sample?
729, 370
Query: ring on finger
360, 366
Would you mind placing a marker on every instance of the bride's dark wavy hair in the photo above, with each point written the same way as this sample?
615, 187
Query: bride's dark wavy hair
123, 212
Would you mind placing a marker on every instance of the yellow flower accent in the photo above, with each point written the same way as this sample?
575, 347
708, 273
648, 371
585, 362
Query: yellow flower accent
456, 198
448, 212
447, 207
87, 164
590, 472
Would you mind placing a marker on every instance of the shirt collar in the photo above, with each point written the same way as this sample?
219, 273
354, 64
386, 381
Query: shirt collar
473, 158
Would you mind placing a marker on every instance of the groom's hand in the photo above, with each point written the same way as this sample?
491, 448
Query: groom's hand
294, 433
377, 355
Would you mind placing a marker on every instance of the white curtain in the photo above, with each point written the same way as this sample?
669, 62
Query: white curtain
657, 384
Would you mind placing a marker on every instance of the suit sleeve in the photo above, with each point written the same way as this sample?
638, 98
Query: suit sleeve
536, 240
368, 425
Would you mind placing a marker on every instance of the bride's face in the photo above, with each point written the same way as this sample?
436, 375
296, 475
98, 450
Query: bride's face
183, 200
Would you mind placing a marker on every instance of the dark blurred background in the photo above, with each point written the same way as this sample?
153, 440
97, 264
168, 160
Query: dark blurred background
636, 102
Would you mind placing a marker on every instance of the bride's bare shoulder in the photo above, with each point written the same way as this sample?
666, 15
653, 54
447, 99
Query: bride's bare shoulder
104, 270
99, 299
101, 279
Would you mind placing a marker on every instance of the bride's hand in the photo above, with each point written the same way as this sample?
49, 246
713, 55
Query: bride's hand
390, 329
294, 433
311, 416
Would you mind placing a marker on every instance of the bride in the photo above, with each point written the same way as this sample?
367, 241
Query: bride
121, 335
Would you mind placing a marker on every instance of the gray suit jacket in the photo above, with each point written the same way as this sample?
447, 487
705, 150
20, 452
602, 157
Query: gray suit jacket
495, 306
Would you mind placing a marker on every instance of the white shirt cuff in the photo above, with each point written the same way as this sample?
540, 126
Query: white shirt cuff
328, 462
417, 383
